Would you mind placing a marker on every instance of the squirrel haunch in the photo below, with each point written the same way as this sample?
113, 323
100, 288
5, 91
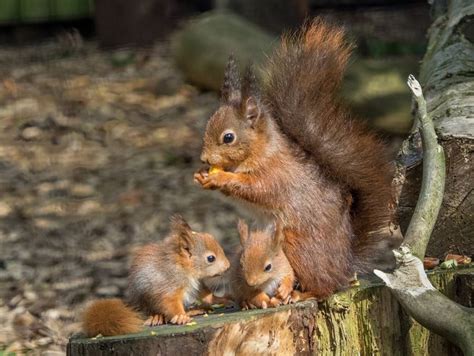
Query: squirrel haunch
297, 156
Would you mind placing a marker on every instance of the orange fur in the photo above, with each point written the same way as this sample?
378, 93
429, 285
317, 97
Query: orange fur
300, 158
171, 304
110, 317
164, 280
304, 75
252, 285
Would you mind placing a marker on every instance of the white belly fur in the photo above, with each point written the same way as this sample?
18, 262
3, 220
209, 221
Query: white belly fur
191, 292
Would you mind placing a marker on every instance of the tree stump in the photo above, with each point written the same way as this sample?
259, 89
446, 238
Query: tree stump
446, 77
365, 320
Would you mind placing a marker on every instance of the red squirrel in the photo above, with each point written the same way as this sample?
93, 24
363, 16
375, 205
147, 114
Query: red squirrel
291, 152
261, 274
165, 279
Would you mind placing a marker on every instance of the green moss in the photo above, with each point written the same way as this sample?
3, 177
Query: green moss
365, 320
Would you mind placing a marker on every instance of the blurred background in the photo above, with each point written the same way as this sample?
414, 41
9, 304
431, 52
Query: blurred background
102, 109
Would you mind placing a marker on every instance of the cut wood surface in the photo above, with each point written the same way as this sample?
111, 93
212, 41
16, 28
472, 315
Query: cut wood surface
366, 320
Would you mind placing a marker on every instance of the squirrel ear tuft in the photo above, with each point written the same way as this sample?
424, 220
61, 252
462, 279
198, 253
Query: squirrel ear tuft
230, 91
181, 229
243, 231
250, 83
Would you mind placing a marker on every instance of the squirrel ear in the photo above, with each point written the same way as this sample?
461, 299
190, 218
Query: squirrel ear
230, 91
277, 235
251, 109
250, 97
181, 229
243, 231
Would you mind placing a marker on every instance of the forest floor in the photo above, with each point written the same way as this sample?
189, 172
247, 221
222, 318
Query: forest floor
97, 150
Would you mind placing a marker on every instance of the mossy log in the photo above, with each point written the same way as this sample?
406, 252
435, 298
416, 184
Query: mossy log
366, 320
284, 14
448, 86
201, 48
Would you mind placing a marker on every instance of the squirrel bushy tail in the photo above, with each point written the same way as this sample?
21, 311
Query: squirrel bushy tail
303, 76
110, 317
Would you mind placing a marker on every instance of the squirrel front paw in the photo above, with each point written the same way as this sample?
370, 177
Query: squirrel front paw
260, 301
284, 292
211, 181
180, 319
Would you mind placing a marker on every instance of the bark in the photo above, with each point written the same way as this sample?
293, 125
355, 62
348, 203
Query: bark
427, 305
408, 282
365, 320
446, 78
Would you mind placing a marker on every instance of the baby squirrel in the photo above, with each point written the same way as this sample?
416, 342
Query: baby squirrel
165, 279
262, 276
293, 153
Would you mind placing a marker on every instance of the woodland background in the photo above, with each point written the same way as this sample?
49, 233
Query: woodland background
100, 132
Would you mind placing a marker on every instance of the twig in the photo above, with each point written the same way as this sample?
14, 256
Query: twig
409, 282
432, 186
426, 305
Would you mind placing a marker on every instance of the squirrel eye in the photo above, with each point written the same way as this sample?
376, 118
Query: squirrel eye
211, 258
268, 267
229, 137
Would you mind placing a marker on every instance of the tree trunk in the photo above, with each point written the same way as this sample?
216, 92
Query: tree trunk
446, 77
366, 320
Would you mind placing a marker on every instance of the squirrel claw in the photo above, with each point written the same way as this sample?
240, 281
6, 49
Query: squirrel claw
246, 305
200, 176
275, 302
210, 181
155, 320
284, 292
180, 319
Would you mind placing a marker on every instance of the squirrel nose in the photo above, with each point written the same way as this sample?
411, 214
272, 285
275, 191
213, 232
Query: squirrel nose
204, 159
251, 282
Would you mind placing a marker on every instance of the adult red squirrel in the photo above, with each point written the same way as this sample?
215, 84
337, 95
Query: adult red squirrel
292, 152
165, 279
